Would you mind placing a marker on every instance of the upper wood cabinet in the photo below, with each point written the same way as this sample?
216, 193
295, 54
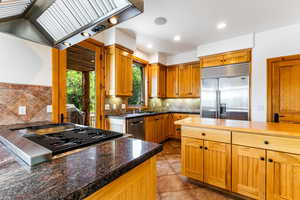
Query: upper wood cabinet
157, 80
227, 58
118, 71
183, 80
172, 82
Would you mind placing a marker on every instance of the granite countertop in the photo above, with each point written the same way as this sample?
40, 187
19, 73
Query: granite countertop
74, 176
266, 128
128, 116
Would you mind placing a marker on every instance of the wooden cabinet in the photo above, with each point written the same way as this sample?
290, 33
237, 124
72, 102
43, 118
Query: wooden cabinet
139, 183
172, 82
157, 80
192, 158
175, 130
183, 80
249, 168
283, 176
156, 128
118, 71
227, 58
217, 164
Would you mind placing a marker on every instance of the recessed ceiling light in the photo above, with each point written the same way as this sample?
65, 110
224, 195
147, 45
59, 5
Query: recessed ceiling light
113, 20
86, 34
149, 46
160, 21
221, 25
177, 38
67, 44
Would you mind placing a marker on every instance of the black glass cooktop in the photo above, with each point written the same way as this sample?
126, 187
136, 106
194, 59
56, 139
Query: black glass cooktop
71, 139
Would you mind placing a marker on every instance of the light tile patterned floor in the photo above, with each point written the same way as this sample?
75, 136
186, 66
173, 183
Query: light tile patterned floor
172, 185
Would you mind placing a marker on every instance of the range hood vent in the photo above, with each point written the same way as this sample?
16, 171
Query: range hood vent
62, 23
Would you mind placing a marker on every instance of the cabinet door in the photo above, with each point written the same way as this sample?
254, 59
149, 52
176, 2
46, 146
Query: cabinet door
248, 167
211, 61
162, 81
184, 81
123, 73
192, 158
172, 82
237, 57
150, 129
283, 176
195, 80
217, 164
171, 132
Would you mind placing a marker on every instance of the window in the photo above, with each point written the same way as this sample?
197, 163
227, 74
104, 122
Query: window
138, 97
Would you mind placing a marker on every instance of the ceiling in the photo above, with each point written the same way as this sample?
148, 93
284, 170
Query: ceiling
196, 20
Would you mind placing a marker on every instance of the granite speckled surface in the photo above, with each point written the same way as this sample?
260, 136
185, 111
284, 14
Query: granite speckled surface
73, 176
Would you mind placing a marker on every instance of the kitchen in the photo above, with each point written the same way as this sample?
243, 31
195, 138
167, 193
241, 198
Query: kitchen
175, 109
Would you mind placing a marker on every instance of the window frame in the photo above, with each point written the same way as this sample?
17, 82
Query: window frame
145, 65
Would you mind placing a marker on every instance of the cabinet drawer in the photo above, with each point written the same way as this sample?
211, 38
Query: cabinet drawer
206, 134
283, 144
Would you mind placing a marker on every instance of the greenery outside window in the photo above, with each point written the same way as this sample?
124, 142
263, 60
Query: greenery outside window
138, 97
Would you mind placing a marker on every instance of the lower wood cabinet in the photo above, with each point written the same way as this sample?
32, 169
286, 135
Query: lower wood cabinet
157, 128
248, 171
283, 176
217, 164
192, 158
207, 161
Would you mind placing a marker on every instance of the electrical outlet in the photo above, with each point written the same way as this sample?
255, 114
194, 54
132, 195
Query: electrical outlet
49, 109
107, 107
123, 106
22, 110
114, 106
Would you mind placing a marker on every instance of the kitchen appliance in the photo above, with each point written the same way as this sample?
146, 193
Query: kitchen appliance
62, 23
225, 92
136, 127
36, 144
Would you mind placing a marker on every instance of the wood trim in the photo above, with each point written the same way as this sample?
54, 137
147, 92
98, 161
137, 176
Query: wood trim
120, 47
227, 52
139, 60
95, 42
270, 63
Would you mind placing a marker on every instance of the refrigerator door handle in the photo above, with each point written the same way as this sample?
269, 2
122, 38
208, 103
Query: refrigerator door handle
218, 104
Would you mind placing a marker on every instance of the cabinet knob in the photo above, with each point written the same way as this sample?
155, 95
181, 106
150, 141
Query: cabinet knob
270, 160
262, 158
203, 134
205, 148
201, 147
266, 142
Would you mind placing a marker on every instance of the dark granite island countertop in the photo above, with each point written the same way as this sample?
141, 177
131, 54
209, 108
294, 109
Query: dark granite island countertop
74, 176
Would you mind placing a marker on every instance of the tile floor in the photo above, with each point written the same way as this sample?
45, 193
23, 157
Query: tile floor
172, 185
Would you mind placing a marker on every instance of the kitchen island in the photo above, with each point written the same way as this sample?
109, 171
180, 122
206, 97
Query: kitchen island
107, 170
260, 160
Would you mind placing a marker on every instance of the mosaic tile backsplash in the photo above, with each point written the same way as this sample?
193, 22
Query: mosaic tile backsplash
35, 98
175, 104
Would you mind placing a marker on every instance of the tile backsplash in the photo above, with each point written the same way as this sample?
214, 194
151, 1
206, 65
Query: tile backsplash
175, 104
35, 98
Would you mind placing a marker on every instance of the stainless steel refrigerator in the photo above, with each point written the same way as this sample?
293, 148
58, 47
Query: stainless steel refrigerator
225, 92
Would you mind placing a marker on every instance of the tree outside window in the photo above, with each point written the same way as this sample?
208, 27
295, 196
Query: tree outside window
138, 97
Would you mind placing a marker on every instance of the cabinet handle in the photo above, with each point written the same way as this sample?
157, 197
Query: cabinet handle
205, 148
201, 147
266, 142
203, 134
270, 160
262, 158
178, 129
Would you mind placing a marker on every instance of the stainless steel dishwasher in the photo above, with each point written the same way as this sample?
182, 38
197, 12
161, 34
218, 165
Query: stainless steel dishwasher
136, 127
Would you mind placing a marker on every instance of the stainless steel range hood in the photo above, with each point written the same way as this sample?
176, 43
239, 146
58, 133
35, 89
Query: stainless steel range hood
62, 23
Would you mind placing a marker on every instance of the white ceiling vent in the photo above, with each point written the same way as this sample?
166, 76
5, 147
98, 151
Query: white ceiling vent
64, 17
10, 8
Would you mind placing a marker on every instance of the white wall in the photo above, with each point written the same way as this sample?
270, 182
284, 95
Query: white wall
237, 43
269, 44
184, 57
140, 54
158, 58
24, 62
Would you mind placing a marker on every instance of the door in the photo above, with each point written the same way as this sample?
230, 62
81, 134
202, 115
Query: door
184, 82
249, 166
192, 158
209, 88
284, 85
195, 80
234, 98
283, 176
217, 164
172, 82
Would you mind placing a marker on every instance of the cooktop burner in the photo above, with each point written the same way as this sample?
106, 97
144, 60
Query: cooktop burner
71, 139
